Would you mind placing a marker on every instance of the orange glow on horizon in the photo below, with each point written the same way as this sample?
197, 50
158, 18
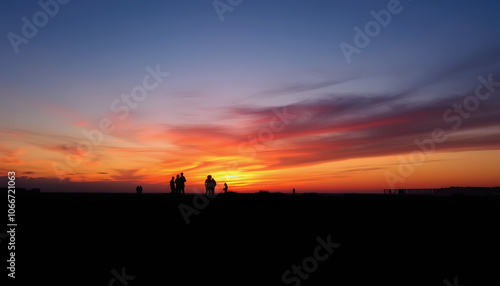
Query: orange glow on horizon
279, 165
474, 168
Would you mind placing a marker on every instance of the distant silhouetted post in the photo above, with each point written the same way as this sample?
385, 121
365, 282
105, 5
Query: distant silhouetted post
225, 188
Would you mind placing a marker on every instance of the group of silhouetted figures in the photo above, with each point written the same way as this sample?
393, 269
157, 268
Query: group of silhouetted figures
210, 184
178, 184
138, 189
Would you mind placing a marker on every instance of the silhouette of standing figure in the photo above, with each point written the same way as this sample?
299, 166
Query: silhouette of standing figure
225, 188
137, 189
172, 185
182, 181
140, 190
293, 191
177, 187
210, 185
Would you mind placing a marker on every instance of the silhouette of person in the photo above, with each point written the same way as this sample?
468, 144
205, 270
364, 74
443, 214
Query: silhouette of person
293, 191
225, 188
210, 185
137, 189
182, 181
140, 190
177, 187
172, 185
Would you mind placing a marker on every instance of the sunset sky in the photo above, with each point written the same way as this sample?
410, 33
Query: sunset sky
106, 95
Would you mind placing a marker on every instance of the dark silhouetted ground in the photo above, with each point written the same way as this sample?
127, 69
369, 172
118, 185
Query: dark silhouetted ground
242, 239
